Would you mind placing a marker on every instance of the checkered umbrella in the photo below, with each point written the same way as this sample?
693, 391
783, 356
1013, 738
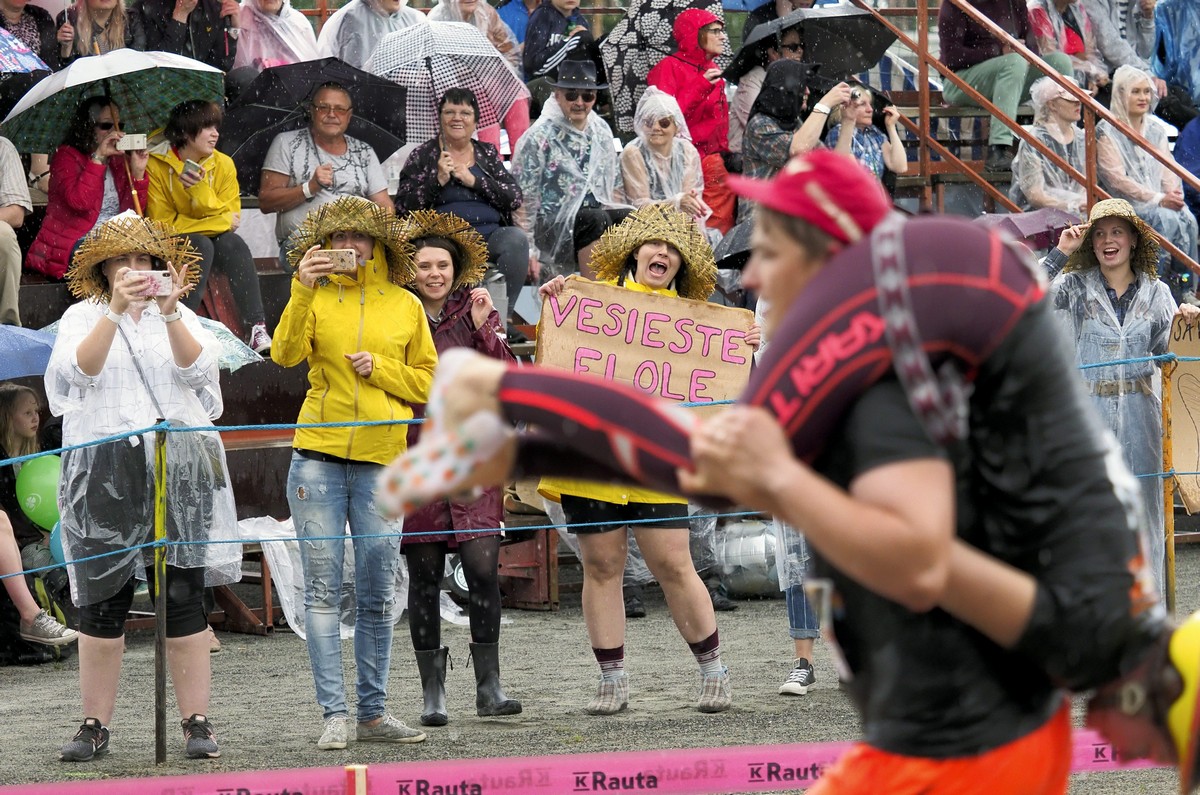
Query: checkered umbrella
637, 43
143, 85
428, 59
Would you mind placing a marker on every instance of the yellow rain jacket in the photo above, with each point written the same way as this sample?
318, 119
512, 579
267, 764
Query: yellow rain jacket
206, 208
357, 312
619, 494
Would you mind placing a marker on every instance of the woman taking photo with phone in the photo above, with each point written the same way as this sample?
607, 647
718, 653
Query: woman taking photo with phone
194, 188
126, 355
370, 357
91, 181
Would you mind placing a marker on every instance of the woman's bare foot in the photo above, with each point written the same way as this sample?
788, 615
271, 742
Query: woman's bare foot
465, 383
450, 460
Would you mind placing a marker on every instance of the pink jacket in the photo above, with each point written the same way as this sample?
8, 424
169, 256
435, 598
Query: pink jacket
681, 75
76, 191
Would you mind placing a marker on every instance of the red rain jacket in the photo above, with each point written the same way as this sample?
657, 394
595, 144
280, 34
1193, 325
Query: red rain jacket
681, 75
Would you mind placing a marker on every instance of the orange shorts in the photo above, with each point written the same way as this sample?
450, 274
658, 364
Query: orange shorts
1036, 764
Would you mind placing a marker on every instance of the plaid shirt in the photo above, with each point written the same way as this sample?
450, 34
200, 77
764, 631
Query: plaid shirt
1121, 303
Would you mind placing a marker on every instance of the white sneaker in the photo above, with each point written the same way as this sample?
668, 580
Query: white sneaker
799, 680
260, 338
46, 631
336, 733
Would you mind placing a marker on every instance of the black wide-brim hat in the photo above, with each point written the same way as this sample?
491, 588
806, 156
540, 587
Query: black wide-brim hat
577, 74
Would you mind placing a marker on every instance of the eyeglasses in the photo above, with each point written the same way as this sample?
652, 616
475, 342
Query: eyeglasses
665, 123
337, 110
717, 29
107, 125
586, 96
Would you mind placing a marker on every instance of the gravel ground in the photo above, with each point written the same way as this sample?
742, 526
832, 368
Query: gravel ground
266, 715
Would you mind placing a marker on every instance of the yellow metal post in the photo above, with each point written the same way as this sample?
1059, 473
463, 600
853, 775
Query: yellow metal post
160, 596
1168, 486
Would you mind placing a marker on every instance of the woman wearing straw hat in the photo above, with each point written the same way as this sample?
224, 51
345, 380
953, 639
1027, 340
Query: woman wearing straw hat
1116, 307
370, 357
127, 355
450, 259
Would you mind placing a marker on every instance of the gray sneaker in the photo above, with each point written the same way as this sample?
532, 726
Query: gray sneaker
715, 694
201, 741
46, 631
389, 730
336, 733
799, 680
89, 742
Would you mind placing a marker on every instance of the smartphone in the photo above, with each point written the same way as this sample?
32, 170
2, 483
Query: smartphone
158, 283
132, 142
191, 167
345, 260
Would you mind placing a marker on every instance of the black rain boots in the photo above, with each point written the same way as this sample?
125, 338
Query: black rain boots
489, 697
432, 665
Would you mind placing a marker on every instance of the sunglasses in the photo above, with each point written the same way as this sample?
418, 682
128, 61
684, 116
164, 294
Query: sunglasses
586, 96
664, 123
337, 110
792, 47
107, 125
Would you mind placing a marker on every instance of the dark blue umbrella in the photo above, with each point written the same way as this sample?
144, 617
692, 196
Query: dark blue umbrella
742, 5
24, 351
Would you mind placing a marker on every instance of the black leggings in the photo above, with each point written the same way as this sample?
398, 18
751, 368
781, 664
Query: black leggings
228, 253
426, 563
185, 606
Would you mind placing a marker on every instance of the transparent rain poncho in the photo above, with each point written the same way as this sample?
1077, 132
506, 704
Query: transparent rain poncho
1129, 172
489, 24
1038, 182
559, 167
1128, 395
274, 39
355, 30
106, 492
647, 176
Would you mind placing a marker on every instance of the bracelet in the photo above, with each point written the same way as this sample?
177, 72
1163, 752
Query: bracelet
307, 191
97, 160
115, 317
171, 318
821, 107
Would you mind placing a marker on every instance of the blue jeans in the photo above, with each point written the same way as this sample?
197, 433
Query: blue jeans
802, 619
322, 496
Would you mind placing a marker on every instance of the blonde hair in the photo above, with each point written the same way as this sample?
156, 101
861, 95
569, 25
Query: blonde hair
113, 37
10, 397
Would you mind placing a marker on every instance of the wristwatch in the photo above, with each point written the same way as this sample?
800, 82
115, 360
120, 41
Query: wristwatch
821, 107
234, 33
171, 318
114, 316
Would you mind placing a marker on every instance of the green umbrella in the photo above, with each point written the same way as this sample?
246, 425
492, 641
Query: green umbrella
143, 85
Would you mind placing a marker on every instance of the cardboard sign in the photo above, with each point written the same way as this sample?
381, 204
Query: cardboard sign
1185, 412
674, 348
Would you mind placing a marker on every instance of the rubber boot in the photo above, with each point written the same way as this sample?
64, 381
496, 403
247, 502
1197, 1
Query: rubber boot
489, 697
432, 665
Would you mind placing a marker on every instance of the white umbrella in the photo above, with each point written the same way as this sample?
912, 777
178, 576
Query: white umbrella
144, 85
428, 59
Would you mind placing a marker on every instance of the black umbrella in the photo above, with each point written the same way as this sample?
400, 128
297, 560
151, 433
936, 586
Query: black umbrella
733, 252
248, 131
290, 87
845, 40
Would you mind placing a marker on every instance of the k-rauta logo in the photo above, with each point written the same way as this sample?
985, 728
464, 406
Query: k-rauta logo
599, 781
773, 771
421, 786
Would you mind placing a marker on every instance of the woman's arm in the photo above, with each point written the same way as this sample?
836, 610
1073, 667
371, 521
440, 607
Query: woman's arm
894, 156
418, 188
635, 181
1113, 173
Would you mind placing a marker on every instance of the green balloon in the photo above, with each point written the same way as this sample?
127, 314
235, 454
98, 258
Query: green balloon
37, 490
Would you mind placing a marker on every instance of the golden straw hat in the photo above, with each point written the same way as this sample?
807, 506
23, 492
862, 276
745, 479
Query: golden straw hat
697, 276
355, 214
127, 233
1144, 258
472, 248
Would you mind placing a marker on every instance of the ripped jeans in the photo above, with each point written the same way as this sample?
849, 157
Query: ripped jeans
322, 496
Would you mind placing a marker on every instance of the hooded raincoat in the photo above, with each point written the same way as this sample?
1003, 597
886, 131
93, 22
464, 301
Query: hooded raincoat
1127, 396
106, 492
206, 208
455, 329
274, 39
558, 168
355, 30
1129, 172
648, 177
363, 311
682, 76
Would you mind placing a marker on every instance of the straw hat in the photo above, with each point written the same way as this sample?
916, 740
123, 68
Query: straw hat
472, 248
355, 214
127, 233
1144, 258
697, 276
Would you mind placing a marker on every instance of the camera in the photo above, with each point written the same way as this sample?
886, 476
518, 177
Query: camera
132, 142
344, 260
191, 167
158, 283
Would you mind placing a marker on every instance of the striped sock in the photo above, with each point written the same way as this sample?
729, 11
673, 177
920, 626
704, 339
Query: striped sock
708, 655
612, 662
